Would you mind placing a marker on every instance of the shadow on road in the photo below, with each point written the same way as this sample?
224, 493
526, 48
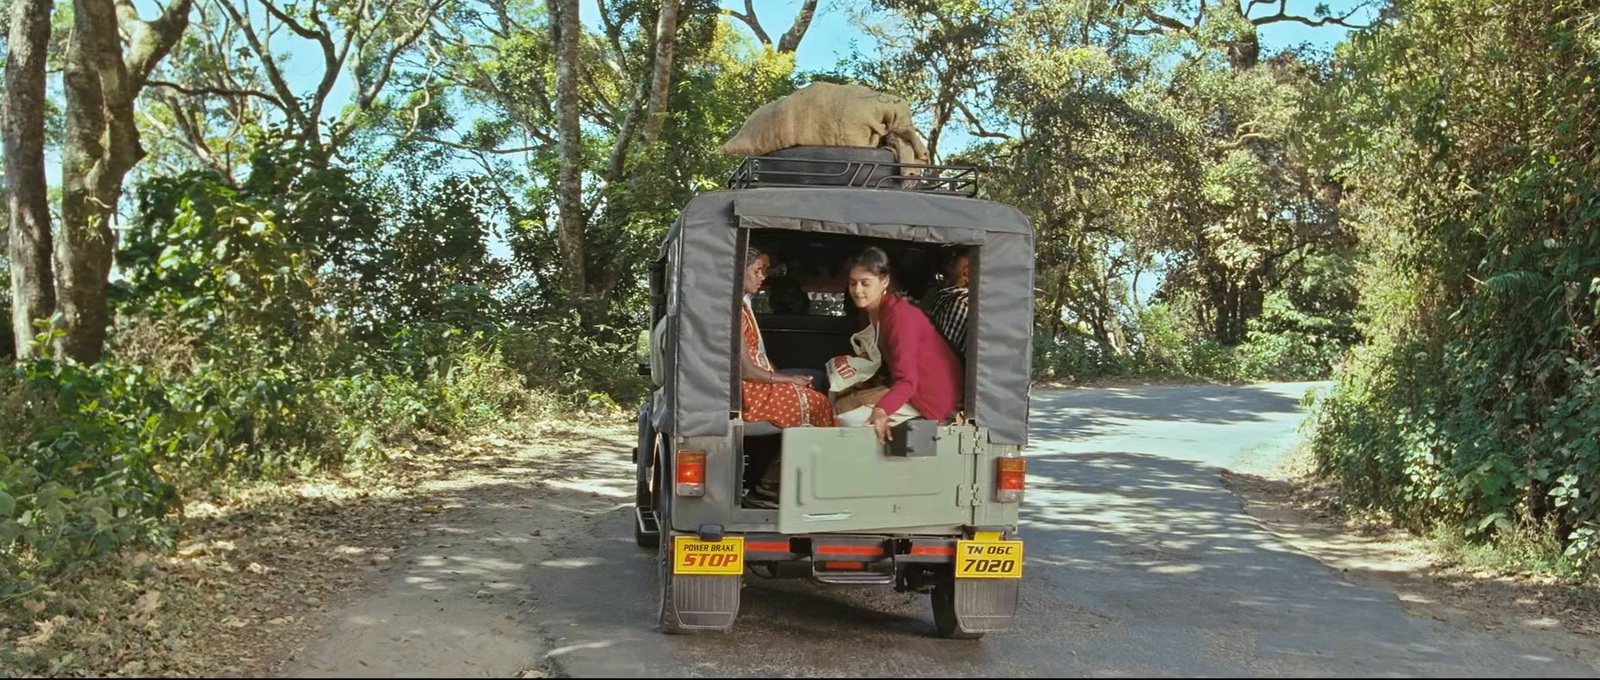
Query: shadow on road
1137, 564
1078, 414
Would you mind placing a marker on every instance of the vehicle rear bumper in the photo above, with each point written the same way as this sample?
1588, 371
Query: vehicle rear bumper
762, 547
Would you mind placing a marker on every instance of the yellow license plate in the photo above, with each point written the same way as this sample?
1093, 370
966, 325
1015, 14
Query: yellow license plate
988, 559
690, 555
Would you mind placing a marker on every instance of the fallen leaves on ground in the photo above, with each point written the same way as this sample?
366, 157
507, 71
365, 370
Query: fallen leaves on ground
260, 567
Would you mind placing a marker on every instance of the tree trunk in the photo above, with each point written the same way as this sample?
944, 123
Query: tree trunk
101, 146
661, 71
565, 33
1056, 304
83, 253
32, 285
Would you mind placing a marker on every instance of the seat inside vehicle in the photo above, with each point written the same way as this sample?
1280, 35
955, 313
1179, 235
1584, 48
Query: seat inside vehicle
804, 309
805, 313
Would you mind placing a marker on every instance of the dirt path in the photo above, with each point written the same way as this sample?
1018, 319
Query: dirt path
459, 602
417, 571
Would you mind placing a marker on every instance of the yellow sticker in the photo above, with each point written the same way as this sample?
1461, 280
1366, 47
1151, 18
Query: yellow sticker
988, 559
690, 555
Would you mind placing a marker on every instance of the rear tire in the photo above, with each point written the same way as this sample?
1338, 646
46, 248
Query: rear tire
944, 612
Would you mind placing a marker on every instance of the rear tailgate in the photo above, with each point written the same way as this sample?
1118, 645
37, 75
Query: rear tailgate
839, 479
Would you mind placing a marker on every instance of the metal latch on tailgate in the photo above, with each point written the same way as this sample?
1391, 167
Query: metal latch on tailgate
969, 495
971, 444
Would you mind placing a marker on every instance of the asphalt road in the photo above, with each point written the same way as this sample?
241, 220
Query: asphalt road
1138, 563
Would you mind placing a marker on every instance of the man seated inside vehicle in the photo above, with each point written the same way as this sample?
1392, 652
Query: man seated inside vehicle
948, 306
924, 375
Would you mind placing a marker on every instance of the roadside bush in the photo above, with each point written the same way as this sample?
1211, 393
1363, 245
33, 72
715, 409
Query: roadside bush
95, 458
1076, 358
1285, 343
554, 360
251, 342
80, 472
1475, 406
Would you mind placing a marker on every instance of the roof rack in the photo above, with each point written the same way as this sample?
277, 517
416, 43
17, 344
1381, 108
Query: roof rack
790, 171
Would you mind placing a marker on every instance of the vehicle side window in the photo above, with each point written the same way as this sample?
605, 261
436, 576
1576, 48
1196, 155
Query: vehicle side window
828, 304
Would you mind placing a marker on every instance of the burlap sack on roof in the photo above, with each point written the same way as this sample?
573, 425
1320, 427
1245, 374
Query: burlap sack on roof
827, 114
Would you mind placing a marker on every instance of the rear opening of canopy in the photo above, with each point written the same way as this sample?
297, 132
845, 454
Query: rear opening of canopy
806, 317
804, 310
707, 243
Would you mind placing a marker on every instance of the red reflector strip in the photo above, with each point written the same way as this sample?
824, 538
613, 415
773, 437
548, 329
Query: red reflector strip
767, 547
848, 550
844, 565
932, 550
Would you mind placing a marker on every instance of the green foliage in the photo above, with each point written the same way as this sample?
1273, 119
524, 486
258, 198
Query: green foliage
1152, 155
1474, 404
1283, 344
251, 344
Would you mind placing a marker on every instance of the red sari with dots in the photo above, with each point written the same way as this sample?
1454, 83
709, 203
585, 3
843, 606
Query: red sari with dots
782, 404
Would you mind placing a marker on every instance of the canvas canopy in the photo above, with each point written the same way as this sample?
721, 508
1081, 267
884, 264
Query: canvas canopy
703, 293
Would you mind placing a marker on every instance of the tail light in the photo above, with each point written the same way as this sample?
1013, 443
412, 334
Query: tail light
1010, 474
691, 473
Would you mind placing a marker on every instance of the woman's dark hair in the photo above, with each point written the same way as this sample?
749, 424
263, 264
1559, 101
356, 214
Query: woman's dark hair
872, 259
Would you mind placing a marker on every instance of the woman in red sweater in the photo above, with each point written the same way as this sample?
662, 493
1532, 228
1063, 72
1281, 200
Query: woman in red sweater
924, 375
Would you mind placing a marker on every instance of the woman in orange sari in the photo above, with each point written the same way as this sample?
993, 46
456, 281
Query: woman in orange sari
768, 395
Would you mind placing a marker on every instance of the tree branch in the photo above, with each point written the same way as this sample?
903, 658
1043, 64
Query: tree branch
334, 60
1240, 141
151, 41
204, 91
613, 31
975, 127
750, 19
1283, 15
802, 21
286, 97
1166, 22
474, 149
366, 97
298, 28
619, 152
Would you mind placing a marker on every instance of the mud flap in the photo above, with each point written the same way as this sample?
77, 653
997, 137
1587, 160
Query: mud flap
986, 605
707, 603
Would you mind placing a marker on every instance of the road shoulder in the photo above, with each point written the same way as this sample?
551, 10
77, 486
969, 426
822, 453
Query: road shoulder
417, 567
1523, 608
